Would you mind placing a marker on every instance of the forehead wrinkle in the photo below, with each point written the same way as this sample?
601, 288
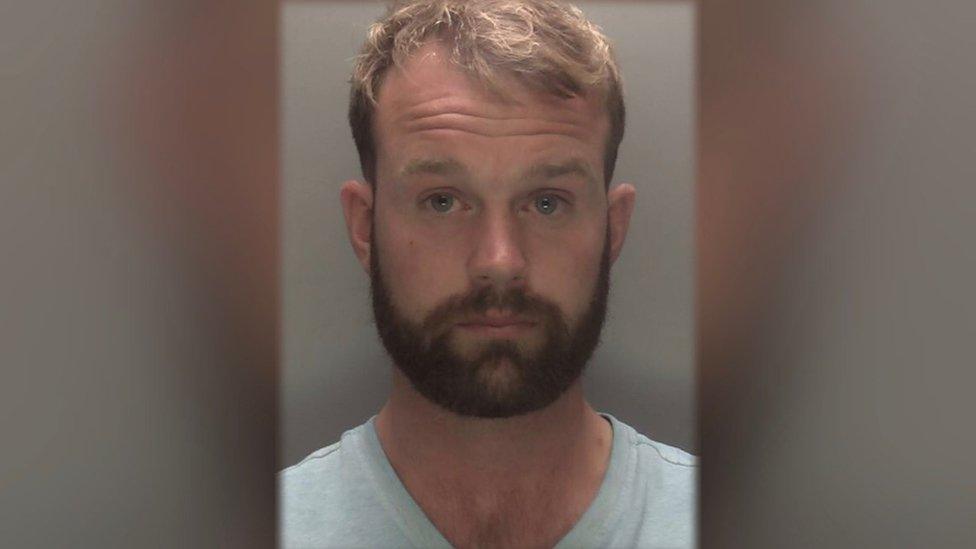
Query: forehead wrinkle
493, 127
492, 118
489, 110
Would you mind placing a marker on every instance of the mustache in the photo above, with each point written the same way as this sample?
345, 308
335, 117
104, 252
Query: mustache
480, 301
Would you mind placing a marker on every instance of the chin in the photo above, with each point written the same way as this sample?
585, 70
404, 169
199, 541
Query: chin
500, 377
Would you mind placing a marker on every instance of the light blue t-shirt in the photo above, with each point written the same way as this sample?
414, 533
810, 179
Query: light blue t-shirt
348, 495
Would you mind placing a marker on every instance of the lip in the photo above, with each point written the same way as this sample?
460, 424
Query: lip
496, 321
496, 326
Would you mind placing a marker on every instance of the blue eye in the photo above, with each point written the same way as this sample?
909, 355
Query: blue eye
441, 202
546, 204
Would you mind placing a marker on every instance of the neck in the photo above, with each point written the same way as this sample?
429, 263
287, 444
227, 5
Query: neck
424, 441
522, 481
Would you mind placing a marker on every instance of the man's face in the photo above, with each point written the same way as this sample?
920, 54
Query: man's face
490, 250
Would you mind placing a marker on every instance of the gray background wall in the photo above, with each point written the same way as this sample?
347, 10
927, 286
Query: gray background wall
335, 373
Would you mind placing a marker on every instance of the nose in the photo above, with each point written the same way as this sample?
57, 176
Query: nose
498, 258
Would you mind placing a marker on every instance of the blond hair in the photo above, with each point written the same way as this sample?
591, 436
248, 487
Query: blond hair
546, 45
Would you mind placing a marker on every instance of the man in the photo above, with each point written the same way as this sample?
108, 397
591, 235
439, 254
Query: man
487, 132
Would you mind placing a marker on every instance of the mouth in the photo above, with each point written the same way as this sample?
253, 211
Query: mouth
496, 326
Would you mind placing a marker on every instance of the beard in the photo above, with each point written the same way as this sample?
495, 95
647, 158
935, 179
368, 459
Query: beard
501, 379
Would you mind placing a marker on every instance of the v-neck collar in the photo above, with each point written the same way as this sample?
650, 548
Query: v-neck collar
592, 527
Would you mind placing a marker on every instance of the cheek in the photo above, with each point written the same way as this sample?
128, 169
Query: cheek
566, 270
420, 272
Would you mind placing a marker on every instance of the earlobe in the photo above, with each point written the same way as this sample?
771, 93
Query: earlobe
357, 207
621, 205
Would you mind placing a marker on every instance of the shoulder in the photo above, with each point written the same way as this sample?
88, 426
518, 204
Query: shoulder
318, 472
670, 456
329, 498
316, 460
673, 471
648, 450
661, 486
308, 491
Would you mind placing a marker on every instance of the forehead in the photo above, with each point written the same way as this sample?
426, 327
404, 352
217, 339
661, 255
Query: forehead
429, 108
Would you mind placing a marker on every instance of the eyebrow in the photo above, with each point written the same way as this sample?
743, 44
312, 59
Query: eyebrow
543, 171
433, 166
573, 166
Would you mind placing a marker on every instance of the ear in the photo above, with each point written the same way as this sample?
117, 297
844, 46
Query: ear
357, 206
620, 201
